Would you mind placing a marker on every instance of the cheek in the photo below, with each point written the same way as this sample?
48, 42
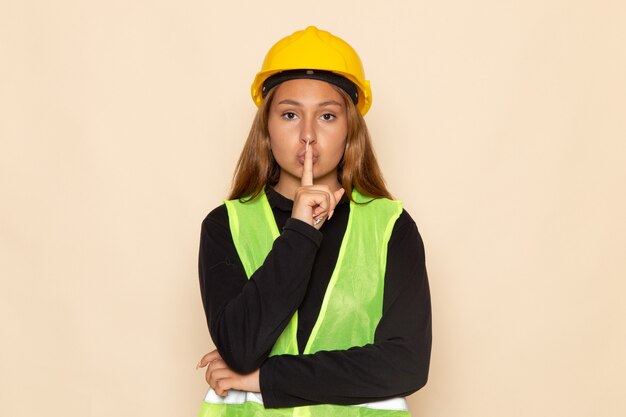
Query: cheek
275, 139
279, 134
272, 133
278, 147
338, 142
334, 152
341, 149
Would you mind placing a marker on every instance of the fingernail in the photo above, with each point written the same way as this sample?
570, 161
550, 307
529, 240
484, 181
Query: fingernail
331, 214
198, 365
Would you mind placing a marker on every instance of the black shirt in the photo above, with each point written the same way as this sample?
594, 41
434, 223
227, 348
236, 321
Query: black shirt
245, 317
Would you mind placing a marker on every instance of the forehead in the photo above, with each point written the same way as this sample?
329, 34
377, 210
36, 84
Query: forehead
305, 90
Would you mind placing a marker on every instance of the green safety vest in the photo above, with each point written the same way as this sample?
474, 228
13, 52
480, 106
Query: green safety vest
351, 309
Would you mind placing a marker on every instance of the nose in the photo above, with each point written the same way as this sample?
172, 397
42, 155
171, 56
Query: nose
307, 130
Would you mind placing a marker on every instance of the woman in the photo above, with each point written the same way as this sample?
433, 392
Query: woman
312, 278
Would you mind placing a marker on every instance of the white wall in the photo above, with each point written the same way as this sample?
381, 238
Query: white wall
500, 124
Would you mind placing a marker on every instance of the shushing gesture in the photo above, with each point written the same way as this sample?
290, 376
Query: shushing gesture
314, 204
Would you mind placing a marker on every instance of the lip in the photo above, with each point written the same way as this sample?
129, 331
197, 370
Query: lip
301, 159
300, 156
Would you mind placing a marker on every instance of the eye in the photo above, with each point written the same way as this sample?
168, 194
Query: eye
289, 115
328, 117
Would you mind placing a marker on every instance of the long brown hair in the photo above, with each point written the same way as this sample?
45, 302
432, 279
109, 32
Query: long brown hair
357, 169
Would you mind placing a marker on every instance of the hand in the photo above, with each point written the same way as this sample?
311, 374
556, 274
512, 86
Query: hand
221, 378
313, 204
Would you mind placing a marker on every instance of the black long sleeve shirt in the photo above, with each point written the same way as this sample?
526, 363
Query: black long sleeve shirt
245, 317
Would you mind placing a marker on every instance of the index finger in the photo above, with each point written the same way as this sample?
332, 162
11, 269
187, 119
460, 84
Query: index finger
307, 170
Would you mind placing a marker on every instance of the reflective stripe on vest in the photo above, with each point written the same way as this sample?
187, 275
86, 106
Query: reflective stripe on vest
350, 311
245, 404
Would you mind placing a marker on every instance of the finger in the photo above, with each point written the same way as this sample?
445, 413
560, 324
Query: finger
316, 222
221, 380
208, 358
222, 386
323, 204
215, 375
320, 212
328, 201
319, 215
307, 170
337, 194
216, 364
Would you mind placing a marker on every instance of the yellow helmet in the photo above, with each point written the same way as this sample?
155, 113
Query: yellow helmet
313, 50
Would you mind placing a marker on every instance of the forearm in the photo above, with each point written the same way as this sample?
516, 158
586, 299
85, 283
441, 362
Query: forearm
246, 317
393, 366
356, 376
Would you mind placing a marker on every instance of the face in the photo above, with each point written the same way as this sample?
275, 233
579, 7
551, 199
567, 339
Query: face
307, 110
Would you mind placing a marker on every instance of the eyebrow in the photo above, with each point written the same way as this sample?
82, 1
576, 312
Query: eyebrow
322, 104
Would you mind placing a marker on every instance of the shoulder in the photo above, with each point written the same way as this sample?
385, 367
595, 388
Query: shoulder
405, 220
405, 230
216, 220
